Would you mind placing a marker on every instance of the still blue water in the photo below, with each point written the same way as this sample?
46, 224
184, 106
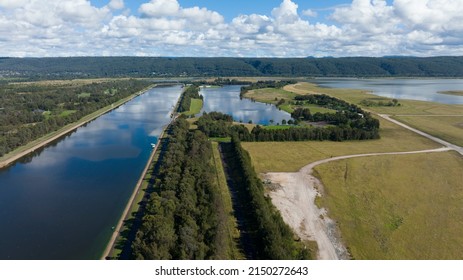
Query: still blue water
61, 202
227, 100
414, 89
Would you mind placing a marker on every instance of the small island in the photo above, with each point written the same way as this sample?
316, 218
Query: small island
452, 92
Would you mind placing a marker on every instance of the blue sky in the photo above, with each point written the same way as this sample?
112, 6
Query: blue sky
269, 28
231, 9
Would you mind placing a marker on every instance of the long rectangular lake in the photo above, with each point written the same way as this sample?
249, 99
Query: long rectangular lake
62, 201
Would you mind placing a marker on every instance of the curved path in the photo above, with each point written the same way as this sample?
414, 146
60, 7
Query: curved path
295, 199
433, 138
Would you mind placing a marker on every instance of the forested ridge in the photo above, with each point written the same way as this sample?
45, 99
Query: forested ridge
81, 67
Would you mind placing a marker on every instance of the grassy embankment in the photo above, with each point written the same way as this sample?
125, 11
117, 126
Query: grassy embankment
387, 207
44, 140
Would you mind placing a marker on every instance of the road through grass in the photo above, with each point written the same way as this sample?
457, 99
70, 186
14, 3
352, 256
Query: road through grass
291, 156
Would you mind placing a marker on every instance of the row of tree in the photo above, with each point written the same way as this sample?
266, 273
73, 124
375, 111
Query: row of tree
191, 92
349, 126
182, 216
272, 237
332, 133
82, 67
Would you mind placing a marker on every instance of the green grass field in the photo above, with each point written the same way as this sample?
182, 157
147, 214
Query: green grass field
291, 156
397, 207
445, 127
195, 107
268, 95
66, 113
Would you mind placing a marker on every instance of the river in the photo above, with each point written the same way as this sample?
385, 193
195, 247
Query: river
62, 201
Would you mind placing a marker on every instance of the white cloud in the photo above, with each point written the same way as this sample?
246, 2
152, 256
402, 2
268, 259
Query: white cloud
116, 4
309, 13
287, 12
157, 8
164, 27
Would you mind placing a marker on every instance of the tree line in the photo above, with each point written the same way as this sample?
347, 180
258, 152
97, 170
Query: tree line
271, 236
84, 67
190, 92
343, 128
29, 111
182, 217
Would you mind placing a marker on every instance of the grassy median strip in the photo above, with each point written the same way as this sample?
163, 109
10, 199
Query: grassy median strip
195, 107
232, 251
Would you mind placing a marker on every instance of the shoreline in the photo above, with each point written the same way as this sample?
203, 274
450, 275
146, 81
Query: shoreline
47, 139
125, 214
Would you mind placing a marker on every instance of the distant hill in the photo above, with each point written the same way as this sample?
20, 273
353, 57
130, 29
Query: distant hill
81, 67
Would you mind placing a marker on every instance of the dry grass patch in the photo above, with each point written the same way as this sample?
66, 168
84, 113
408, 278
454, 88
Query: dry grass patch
445, 127
397, 207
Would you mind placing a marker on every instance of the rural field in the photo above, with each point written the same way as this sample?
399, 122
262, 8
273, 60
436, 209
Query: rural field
449, 128
387, 206
397, 207
292, 156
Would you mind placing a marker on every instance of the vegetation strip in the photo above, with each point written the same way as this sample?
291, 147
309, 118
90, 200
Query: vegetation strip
273, 239
43, 141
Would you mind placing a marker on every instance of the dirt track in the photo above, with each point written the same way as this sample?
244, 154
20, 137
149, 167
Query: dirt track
295, 198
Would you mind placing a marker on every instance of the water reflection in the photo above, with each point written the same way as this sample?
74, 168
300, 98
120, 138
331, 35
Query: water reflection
415, 89
227, 100
61, 202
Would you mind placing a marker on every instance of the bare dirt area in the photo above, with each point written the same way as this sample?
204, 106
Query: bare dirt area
295, 200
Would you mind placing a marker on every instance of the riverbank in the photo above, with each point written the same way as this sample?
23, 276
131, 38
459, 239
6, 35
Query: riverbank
17, 154
136, 197
138, 193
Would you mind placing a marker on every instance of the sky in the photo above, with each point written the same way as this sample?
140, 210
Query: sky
238, 28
